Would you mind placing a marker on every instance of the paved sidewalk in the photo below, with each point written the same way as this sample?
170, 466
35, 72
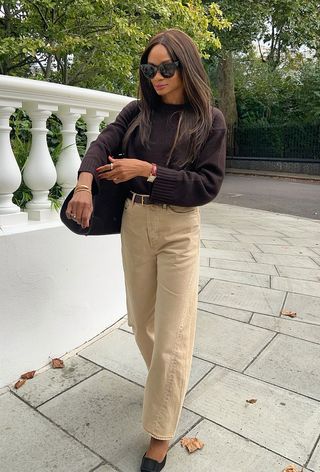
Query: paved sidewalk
87, 416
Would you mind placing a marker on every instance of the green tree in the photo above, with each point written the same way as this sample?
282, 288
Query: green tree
94, 43
247, 20
289, 25
284, 25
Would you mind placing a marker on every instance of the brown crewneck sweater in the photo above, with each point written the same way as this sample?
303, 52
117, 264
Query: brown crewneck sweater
175, 186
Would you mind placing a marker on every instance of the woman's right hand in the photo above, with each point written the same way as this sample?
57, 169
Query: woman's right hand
80, 208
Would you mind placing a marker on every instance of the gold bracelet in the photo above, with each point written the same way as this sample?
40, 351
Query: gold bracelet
81, 190
82, 186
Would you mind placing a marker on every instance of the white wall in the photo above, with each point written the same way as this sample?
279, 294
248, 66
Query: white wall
57, 291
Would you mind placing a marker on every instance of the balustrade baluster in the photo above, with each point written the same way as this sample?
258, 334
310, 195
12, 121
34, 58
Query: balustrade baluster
10, 175
93, 119
69, 159
39, 173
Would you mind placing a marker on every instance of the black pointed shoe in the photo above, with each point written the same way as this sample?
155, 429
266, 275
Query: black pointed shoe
151, 465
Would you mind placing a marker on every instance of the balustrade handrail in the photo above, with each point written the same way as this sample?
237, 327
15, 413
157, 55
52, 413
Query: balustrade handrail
40, 99
18, 88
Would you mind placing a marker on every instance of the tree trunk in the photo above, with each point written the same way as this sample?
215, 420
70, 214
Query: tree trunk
65, 69
226, 94
48, 66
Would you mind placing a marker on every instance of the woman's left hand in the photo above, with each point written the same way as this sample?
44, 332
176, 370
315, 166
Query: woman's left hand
121, 170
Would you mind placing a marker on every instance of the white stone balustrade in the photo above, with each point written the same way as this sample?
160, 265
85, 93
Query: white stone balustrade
40, 99
10, 177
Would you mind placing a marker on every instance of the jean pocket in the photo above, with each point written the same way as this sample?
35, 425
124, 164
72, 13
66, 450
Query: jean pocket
127, 203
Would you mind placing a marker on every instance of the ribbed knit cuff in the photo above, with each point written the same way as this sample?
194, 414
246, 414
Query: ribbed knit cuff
164, 186
88, 165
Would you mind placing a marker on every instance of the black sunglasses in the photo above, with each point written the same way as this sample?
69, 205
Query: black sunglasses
166, 69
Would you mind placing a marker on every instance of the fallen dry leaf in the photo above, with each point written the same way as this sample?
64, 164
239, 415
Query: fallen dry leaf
28, 375
292, 314
291, 468
57, 363
20, 383
192, 444
252, 400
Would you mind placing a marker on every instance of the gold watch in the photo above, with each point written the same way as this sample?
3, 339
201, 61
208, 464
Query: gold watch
153, 173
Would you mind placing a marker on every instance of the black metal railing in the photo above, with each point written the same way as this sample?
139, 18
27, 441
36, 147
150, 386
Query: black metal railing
276, 142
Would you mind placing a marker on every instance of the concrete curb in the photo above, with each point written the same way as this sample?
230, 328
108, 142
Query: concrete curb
280, 175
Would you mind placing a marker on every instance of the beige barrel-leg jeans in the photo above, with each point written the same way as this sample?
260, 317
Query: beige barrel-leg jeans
160, 250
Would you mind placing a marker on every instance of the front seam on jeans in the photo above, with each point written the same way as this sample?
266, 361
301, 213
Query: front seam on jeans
172, 363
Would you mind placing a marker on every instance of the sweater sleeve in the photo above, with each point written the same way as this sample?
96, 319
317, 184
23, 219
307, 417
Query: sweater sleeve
203, 183
109, 140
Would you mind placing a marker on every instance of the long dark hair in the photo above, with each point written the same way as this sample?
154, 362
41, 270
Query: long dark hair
195, 121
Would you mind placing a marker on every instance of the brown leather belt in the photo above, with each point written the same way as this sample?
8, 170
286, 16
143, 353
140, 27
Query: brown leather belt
138, 198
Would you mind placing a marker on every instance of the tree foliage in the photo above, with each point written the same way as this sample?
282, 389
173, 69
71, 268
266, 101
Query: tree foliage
290, 94
94, 43
279, 28
282, 25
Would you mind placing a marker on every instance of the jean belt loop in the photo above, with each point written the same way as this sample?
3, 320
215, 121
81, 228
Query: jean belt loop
133, 197
142, 198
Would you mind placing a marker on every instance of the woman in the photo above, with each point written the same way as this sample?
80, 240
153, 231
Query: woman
175, 147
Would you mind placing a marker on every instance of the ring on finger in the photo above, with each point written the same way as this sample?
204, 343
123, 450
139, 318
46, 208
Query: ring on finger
111, 166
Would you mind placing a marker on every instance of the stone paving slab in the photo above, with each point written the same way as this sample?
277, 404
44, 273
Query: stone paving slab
225, 451
54, 381
260, 280
228, 342
32, 443
216, 235
316, 260
292, 327
299, 273
104, 413
314, 463
204, 261
306, 307
290, 363
229, 255
125, 327
108, 353
234, 313
202, 282
311, 241
260, 231
247, 238
262, 300
284, 422
294, 261
304, 287
285, 250
252, 267
208, 231
105, 468
230, 246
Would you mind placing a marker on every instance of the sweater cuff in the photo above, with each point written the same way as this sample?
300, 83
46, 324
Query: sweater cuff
164, 186
88, 165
